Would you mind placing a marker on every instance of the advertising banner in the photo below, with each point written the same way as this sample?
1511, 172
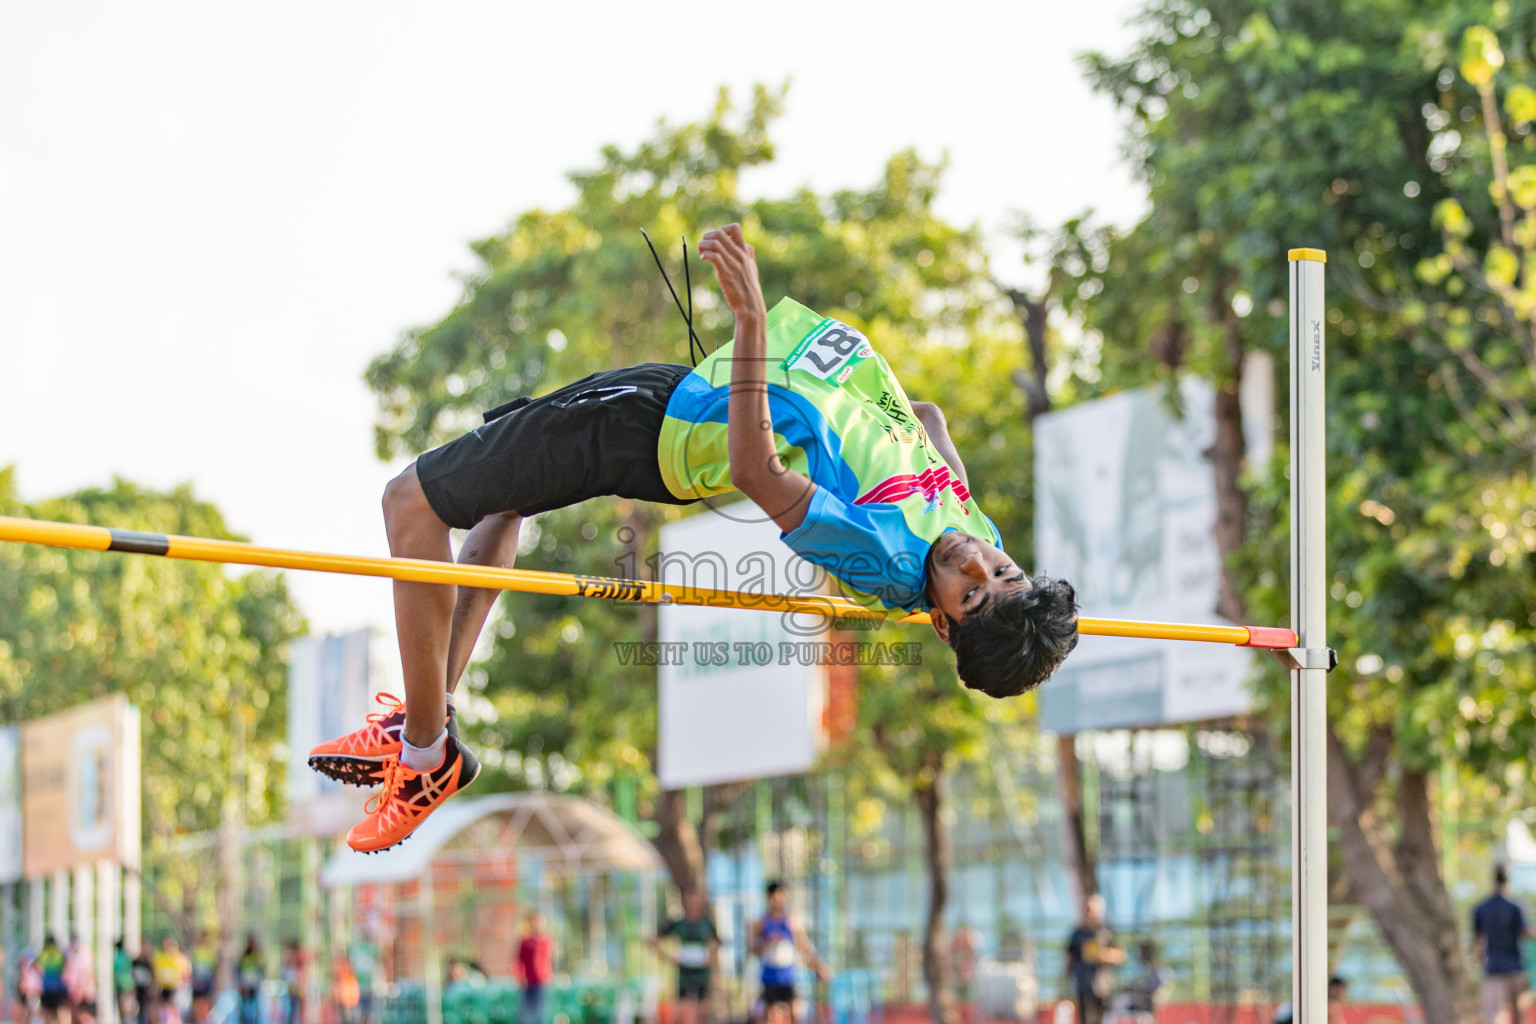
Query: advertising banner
80, 787
10, 804
331, 683
741, 692
1125, 509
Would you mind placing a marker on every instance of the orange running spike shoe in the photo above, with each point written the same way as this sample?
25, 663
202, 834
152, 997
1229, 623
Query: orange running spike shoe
357, 758
408, 796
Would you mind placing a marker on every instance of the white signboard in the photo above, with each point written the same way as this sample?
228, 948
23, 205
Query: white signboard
739, 698
1125, 509
10, 803
331, 685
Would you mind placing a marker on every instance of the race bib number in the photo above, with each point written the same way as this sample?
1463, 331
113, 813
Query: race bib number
693, 954
831, 352
781, 954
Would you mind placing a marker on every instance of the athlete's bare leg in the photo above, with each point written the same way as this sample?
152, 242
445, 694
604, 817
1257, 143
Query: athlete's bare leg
493, 541
423, 611
437, 625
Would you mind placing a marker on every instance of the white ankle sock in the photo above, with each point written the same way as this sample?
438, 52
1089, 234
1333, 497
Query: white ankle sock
424, 759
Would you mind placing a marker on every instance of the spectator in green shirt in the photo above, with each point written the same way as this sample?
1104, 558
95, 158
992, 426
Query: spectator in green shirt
250, 972
696, 953
55, 993
123, 984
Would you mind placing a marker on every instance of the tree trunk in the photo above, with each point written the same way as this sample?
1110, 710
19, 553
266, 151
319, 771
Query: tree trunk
930, 804
1226, 454
1069, 786
1395, 872
717, 800
1033, 314
678, 841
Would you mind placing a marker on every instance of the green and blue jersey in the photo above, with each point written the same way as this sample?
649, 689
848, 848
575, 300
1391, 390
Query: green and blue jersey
884, 494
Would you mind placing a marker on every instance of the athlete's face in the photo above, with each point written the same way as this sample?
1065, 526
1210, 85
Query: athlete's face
965, 575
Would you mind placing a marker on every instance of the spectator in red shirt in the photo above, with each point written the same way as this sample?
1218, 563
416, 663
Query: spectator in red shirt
535, 966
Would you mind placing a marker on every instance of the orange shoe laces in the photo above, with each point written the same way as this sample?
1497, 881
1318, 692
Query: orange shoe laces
394, 778
375, 732
391, 702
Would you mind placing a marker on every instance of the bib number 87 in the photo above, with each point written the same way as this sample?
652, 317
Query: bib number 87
832, 352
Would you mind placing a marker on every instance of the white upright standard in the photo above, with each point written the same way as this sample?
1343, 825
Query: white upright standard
1311, 660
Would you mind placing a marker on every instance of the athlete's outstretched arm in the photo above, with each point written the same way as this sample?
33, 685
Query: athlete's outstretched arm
812, 958
755, 466
932, 419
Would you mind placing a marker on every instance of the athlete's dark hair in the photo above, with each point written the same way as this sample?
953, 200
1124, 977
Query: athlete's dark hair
774, 886
1019, 640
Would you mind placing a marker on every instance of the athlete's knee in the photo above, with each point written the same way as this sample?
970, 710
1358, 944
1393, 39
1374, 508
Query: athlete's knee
401, 493
406, 505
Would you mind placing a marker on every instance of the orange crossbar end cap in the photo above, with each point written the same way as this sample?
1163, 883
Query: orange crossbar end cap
1271, 638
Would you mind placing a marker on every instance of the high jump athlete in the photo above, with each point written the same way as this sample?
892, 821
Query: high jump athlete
798, 413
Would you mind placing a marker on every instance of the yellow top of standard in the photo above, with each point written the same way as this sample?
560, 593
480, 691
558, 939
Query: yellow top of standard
1316, 255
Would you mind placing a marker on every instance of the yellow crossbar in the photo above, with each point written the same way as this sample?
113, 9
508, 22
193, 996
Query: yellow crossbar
416, 570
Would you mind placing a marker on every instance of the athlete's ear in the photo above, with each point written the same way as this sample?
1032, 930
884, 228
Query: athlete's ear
940, 623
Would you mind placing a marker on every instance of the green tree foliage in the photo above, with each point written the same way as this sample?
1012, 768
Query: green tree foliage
200, 652
1398, 137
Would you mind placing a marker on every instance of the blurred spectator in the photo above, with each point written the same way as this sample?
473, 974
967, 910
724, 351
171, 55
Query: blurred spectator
80, 980
144, 984
779, 942
696, 954
1338, 991
54, 992
123, 987
344, 989
1091, 959
29, 983
295, 971
1498, 925
250, 972
172, 971
535, 967
965, 945
366, 963
1139, 997
465, 972
205, 967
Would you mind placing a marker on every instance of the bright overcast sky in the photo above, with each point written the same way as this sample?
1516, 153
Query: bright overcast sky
213, 215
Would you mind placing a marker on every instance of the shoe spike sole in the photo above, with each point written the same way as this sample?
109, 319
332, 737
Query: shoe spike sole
348, 771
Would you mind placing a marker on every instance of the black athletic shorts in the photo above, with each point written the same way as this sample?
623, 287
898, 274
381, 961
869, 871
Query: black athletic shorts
593, 438
690, 988
778, 995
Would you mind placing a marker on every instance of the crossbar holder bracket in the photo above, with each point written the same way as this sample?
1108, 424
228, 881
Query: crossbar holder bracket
1296, 658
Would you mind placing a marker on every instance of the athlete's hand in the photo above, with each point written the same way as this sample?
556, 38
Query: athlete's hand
735, 264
